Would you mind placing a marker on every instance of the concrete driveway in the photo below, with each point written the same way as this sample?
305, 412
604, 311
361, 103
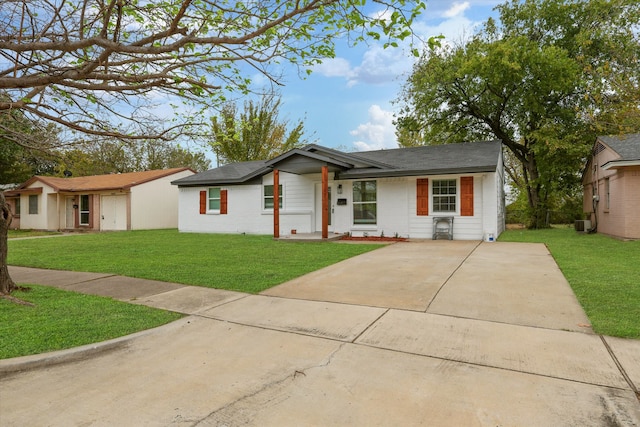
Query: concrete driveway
418, 333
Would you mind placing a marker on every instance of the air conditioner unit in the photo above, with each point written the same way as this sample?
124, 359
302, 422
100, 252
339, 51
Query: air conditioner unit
583, 226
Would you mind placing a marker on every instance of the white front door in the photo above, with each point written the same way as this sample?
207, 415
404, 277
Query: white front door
318, 208
113, 212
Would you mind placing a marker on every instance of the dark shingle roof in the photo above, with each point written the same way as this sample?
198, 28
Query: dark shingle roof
473, 157
233, 173
627, 146
432, 159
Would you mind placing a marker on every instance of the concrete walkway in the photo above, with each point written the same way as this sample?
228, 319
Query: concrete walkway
418, 333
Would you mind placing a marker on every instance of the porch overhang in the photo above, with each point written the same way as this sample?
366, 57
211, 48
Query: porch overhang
301, 162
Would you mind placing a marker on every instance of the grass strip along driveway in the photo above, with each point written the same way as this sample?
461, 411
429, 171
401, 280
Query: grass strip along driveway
603, 272
63, 319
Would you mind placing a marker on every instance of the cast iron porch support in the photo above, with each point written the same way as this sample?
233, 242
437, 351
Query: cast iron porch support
325, 202
276, 204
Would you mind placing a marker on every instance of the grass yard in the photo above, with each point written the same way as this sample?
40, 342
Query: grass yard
603, 272
63, 319
246, 263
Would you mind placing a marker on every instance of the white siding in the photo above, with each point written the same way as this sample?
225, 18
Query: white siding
40, 220
393, 207
464, 227
154, 204
245, 212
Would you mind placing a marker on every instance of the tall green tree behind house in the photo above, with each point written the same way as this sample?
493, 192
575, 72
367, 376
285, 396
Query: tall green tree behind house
256, 133
101, 156
108, 67
545, 79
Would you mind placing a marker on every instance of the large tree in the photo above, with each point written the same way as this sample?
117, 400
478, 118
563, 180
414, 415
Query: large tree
106, 67
256, 133
544, 79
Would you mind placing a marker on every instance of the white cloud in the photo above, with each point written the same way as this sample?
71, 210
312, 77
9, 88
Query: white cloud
334, 67
381, 66
377, 66
378, 133
456, 9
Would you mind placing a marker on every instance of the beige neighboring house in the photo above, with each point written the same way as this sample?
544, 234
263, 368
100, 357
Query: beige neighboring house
611, 183
127, 201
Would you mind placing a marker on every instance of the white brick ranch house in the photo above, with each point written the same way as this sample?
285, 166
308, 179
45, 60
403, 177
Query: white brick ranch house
401, 192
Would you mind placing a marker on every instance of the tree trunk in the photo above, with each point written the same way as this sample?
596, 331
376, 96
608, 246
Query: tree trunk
6, 284
537, 215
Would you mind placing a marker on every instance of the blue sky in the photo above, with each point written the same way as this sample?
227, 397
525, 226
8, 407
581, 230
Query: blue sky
347, 101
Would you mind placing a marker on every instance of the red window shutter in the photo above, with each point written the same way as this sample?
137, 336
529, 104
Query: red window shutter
422, 201
466, 196
223, 202
203, 202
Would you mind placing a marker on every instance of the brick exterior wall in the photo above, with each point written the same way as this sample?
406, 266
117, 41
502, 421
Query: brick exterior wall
618, 209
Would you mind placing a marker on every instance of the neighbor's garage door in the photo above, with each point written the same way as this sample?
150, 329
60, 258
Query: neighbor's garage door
113, 211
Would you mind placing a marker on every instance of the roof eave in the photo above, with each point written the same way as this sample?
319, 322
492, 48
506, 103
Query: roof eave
416, 172
233, 181
616, 164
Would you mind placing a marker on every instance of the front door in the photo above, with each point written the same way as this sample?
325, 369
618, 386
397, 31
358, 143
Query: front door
70, 212
318, 208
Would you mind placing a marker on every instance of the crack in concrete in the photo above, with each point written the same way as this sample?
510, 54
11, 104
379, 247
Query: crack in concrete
426, 310
620, 367
236, 412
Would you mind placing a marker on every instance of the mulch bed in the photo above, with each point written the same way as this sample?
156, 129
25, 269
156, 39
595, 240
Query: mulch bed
374, 239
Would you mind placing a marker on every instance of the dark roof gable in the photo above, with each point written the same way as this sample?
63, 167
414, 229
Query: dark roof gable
627, 146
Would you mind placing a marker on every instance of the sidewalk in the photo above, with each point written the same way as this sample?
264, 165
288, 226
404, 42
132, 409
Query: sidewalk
490, 342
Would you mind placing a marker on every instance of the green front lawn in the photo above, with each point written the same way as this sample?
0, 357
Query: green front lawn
603, 272
246, 263
63, 319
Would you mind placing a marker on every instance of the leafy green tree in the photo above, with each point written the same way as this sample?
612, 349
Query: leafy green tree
100, 157
19, 160
542, 80
105, 67
255, 134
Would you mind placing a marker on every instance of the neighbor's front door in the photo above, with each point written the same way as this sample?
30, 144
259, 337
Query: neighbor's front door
70, 212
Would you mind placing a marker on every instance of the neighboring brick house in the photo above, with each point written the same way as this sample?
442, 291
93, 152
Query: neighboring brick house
611, 183
127, 201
